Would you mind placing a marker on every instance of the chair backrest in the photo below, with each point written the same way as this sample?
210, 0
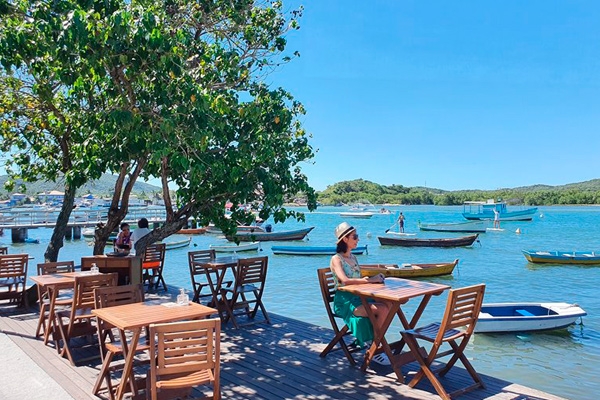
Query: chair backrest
199, 255
84, 298
185, 347
13, 265
462, 309
328, 290
58, 267
111, 296
252, 271
154, 256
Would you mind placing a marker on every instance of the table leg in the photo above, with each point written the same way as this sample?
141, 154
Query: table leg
379, 337
129, 354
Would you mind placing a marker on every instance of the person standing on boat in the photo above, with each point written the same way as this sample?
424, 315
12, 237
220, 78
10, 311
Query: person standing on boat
401, 223
496, 219
348, 306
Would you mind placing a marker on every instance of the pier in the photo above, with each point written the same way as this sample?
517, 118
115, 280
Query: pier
20, 221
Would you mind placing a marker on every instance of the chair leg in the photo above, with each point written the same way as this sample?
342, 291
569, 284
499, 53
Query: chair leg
66, 349
41, 326
339, 339
104, 375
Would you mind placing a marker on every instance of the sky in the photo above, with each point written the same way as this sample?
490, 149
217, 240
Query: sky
448, 95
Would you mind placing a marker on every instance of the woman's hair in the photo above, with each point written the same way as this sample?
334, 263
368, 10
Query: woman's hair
143, 223
124, 225
342, 247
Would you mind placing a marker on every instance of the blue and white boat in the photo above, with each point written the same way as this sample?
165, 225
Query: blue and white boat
484, 210
312, 250
525, 317
562, 257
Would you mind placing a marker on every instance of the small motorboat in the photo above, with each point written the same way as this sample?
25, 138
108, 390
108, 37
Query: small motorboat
235, 248
295, 234
562, 257
356, 214
409, 270
177, 244
525, 317
312, 250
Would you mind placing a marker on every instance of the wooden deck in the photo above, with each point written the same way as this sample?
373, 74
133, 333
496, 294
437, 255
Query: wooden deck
278, 361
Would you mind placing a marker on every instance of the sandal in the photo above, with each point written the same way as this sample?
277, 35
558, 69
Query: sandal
381, 359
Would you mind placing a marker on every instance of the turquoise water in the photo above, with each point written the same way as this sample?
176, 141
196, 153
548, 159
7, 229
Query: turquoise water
564, 362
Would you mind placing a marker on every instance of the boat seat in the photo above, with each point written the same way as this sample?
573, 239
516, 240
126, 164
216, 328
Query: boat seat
524, 313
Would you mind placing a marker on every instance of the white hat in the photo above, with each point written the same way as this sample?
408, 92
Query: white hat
342, 230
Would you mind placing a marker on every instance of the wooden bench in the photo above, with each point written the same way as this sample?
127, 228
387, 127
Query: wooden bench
524, 313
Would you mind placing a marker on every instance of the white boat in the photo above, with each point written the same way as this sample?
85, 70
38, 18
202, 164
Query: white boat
469, 226
356, 214
177, 244
235, 248
524, 317
401, 233
484, 210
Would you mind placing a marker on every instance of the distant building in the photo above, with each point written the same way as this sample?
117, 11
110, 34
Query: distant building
51, 197
17, 198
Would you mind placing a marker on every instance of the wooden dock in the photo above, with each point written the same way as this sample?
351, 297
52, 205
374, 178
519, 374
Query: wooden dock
261, 361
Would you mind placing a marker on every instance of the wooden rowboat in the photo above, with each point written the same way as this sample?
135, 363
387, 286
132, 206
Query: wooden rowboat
235, 248
312, 250
433, 242
409, 270
192, 231
296, 234
467, 227
177, 244
562, 257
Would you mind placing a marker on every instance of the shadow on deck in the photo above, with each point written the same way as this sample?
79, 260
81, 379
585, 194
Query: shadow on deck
278, 361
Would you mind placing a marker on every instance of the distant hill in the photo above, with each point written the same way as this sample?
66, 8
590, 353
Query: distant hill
102, 187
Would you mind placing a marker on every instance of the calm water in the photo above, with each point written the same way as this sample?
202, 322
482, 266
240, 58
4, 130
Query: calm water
564, 362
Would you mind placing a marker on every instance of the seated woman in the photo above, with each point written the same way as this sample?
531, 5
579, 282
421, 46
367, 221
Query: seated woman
123, 241
346, 271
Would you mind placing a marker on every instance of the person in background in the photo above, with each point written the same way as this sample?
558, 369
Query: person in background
123, 242
496, 219
348, 306
140, 232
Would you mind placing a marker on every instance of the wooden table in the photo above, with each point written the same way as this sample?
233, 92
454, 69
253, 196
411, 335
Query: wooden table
53, 283
218, 266
394, 292
134, 317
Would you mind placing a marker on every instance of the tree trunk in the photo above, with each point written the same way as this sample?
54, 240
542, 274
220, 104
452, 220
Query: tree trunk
58, 235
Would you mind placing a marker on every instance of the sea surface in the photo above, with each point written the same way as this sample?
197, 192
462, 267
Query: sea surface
563, 362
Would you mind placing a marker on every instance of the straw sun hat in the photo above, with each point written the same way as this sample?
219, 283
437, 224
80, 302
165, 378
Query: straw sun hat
342, 230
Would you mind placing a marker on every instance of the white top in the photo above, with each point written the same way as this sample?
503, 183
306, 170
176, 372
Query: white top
137, 234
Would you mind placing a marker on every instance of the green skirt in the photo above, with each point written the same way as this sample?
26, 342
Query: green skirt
344, 304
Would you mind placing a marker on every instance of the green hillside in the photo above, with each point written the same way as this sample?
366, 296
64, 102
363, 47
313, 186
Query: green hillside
102, 187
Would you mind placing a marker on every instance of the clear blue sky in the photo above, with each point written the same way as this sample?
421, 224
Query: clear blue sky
451, 95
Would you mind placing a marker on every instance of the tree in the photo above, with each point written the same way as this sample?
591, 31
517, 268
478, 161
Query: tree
170, 89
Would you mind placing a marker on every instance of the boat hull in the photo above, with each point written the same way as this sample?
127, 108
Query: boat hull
357, 214
231, 248
525, 215
562, 257
192, 231
177, 244
297, 234
312, 250
435, 242
409, 270
465, 227
526, 317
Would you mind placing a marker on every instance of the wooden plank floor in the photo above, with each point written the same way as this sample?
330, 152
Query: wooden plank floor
261, 361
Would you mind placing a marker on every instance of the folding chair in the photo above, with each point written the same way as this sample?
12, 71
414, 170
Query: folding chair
153, 263
250, 277
328, 290
200, 275
462, 310
77, 321
185, 355
111, 296
66, 299
13, 277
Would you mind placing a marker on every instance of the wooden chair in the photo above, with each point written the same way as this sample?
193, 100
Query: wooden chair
185, 355
66, 299
199, 274
328, 290
462, 310
153, 262
111, 296
13, 278
77, 321
251, 274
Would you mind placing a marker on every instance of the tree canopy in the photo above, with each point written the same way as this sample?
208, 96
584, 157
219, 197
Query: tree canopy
172, 89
